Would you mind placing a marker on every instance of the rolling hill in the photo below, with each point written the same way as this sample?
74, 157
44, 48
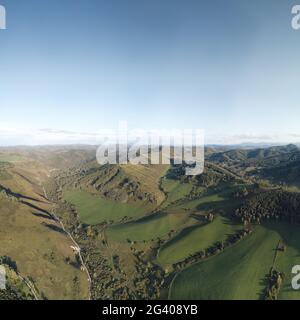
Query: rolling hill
77, 230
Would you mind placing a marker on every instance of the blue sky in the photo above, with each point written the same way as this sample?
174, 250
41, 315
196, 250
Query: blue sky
68, 67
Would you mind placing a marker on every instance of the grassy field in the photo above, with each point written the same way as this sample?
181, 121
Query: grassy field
10, 157
175, 190
205, 200
40, 252
28, 236
291, 257
151, 227
94, 209
213, 199
237, 273
194, 239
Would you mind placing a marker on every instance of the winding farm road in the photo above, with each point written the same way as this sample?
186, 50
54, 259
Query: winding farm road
78, 249
30, 286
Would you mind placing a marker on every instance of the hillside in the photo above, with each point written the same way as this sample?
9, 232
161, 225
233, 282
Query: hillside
148, 231
31, 237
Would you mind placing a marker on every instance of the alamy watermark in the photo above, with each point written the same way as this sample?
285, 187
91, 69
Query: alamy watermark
296, 278
2, 278
139, 146
296, 17
2, 18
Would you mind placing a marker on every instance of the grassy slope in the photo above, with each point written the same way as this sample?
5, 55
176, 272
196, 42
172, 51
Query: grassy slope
206, 200
148, 177
238, 273
291, 257
10, 157
150, 227
175, 190
194, 239
38, 251
94, 209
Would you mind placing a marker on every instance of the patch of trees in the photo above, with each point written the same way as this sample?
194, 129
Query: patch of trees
275, 281
5, 260
148, 278
52, 189
12, 293
216, 248
275, 204
7, 193
214, 175
261, 157
13, 290
240, 194
284, 173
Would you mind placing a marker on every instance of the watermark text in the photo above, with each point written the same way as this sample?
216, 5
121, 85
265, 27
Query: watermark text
2, 18
296, 17
142, 147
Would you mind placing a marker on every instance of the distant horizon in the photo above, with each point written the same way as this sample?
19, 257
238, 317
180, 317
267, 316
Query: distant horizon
13, 135
243, 144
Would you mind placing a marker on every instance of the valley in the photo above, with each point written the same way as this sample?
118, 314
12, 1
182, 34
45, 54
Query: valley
78, 230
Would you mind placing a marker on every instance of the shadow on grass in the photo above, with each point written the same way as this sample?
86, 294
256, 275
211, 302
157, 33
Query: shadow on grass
54, 228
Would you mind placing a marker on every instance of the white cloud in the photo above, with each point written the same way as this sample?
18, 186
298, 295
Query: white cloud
19, 135
270, 138
12, 134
